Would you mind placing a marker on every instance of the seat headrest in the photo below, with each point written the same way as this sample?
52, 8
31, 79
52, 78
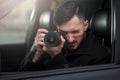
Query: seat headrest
100, 24
46, 21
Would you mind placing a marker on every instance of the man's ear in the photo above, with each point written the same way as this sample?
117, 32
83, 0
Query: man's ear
86, 24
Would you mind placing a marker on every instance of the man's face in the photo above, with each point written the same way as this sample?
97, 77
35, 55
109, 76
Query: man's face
74, 31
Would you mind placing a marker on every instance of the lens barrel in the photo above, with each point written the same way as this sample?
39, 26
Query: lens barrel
52, 39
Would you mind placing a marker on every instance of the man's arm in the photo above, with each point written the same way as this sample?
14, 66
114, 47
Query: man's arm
37, 58
58, 62
45, 62
30, 61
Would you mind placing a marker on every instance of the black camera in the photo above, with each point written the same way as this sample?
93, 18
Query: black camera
52, 39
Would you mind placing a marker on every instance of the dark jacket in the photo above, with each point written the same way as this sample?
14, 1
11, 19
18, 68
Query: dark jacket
89, 52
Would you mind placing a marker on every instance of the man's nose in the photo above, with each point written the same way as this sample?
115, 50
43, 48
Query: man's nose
70, 37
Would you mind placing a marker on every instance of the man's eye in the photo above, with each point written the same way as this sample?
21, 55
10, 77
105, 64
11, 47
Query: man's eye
62, 32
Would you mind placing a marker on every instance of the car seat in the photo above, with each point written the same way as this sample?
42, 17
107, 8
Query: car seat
100, 25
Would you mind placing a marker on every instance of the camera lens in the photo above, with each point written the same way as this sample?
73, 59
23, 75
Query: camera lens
52, 39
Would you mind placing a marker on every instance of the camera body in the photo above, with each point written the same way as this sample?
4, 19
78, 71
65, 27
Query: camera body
52, 39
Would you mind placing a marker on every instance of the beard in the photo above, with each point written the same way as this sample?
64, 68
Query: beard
72, 46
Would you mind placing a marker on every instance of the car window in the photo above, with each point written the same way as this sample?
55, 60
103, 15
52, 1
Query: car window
14, 26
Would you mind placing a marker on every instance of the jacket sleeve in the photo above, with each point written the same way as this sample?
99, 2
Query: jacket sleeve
45, 62
57, 62
28, 65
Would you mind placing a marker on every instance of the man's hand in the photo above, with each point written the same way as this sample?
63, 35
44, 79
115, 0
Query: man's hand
53, 51
41, 47
39, 43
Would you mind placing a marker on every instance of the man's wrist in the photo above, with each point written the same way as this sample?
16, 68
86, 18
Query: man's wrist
36, 56
54, 54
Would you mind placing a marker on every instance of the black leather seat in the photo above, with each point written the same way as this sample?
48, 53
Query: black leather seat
100, 24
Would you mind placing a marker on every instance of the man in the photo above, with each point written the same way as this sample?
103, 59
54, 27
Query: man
80, 48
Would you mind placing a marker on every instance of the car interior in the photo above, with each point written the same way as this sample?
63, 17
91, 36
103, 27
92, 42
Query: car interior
98, 12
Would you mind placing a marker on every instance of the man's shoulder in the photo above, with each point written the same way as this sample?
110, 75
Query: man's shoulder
92, 46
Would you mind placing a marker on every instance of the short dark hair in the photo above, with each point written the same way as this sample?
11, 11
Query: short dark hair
64, 12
